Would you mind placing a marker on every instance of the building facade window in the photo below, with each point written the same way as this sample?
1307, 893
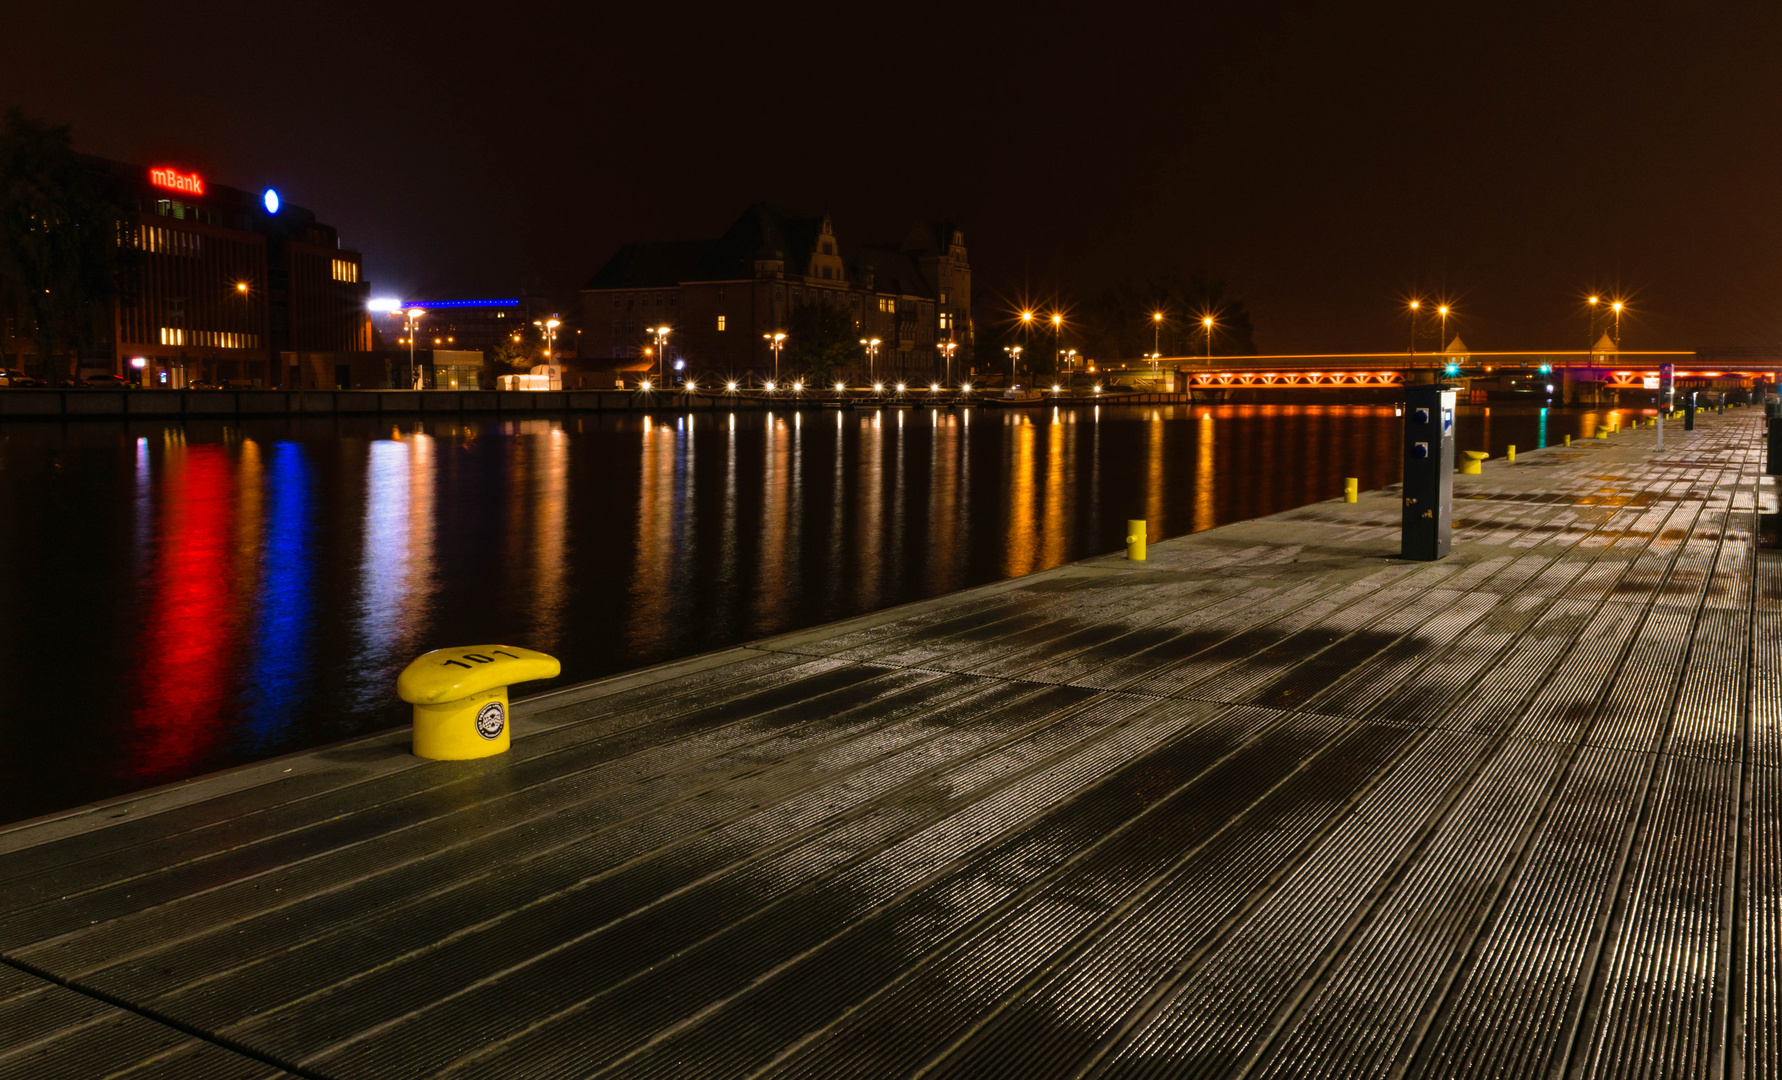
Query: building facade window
720, 322
346, 270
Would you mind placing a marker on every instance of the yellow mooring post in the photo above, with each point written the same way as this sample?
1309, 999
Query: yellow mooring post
460, 697
1568, 440
1511, 455
1351, 489
1472, 465
1135, 540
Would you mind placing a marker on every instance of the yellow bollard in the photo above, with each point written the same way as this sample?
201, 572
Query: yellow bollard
1351, 489
1473, 466
1135, 540
1511, 455
1568, 440
460, 697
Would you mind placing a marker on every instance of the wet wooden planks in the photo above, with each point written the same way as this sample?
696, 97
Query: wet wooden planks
1271, 804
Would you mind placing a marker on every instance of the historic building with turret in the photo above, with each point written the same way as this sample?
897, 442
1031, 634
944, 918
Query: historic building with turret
723, 299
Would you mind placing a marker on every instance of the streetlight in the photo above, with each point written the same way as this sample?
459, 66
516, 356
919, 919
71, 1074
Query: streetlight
1156, 339
414, 317
1593, 302
548, 328
1415, 304
1443, 312
872, 355
1206, 324
946, 349
1058, 340
1014, 352
661, 354
1617, 308
775, 342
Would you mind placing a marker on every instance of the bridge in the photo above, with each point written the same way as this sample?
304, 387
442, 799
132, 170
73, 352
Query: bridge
1567, 371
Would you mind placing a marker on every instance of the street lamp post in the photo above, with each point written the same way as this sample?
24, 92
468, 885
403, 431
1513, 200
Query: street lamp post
548, 328
414, 322
1058, 340
1156, 340
1014, 352
1415, 304
1443, 312
872, 357
1206, 323
661, 355
946, 350
1616, 306
774, 342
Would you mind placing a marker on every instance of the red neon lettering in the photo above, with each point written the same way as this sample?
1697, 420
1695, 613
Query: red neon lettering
174, 180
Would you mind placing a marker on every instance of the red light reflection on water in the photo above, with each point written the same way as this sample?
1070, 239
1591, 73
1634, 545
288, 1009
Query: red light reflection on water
188, 634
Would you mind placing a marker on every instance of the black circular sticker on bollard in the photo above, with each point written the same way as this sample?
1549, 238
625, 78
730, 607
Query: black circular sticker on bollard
489, 720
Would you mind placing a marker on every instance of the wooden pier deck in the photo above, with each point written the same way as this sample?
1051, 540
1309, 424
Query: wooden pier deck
1272, 804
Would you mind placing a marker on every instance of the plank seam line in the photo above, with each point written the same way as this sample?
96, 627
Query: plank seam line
164, 1020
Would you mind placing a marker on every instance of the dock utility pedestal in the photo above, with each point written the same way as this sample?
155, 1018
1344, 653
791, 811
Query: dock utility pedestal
1428, 529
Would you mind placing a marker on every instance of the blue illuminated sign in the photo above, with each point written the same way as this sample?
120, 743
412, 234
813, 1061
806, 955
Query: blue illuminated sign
433, 304
271, 201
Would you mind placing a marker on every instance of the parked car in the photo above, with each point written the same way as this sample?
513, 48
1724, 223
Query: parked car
18, 378
108, 382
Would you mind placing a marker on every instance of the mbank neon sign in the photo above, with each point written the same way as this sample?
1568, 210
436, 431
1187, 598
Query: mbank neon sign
174, 180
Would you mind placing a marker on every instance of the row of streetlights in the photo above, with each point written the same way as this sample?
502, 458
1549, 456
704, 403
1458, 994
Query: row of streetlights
1594, 302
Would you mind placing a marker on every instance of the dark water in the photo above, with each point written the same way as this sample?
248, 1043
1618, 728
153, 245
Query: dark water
180, 598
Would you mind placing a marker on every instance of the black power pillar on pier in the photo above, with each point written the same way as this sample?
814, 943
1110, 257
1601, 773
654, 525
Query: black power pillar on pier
1772, 418
1689, 411
1428, 529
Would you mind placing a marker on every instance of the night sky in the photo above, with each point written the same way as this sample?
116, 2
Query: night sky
1325, 160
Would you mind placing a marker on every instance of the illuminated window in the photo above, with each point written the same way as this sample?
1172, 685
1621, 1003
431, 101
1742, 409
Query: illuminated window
720, 322
946, 321
345, 270
172, 336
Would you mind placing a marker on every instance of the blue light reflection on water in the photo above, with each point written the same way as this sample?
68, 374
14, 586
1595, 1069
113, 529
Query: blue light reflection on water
284, 627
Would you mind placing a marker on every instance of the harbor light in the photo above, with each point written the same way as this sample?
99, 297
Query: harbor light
770, 386
731, 386
645, 385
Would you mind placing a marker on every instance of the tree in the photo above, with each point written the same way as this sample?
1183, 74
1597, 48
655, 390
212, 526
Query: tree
1117, 320
510, 357
821, 341
62, 248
